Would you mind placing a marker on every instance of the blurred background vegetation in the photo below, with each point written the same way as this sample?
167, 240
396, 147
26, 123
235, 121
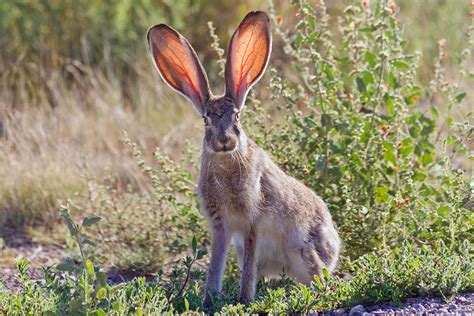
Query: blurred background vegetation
76, 74
42, 37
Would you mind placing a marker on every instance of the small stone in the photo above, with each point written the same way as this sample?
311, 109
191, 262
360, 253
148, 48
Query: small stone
462, 299
452, 306
418, 307
340, 311
398, 311
357, 310
373, 308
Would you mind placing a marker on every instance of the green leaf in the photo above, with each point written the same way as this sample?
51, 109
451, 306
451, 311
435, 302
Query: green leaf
371, 59
369, 29
460, 97
91, 220
312, 22
73, 230
318, 282
427, 158
90, 270
312, 36
381, 194
66, 266
400, 64
444, 211
390, 155
100, 312
360, 84
186, 304
194, 245
298, 40
102, 278
327, 70
101, 293
367, 77
326, 274
392, 81
325, 120
407, 147
389, 104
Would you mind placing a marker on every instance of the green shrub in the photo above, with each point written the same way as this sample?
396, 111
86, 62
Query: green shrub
142, 230
363, 133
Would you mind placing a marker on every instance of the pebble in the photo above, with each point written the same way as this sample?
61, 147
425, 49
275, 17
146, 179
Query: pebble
462, 299
452, 306
357, 310
418, 307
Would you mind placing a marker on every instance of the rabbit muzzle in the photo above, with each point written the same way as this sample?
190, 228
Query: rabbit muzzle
224, 143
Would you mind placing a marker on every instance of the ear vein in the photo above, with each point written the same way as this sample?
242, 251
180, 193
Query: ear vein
182, 67
246, 57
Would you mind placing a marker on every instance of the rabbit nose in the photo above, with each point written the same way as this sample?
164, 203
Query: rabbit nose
225, 143
224, 139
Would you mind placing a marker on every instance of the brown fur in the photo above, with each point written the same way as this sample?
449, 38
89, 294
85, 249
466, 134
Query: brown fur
248, 197
275, 222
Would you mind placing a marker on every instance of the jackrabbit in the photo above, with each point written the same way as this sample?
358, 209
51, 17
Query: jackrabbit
275, 222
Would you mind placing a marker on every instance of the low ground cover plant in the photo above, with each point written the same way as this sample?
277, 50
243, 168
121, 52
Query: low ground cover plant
82, 288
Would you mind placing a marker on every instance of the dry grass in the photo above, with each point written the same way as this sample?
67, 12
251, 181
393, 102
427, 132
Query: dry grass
46, 149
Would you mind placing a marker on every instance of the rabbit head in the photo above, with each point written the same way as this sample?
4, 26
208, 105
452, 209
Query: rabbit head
248, 55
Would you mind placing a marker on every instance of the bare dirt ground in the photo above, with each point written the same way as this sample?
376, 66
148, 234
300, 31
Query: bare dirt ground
17, 246
40, 254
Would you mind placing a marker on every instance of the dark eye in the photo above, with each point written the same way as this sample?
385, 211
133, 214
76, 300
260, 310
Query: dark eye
237, 116
206, 120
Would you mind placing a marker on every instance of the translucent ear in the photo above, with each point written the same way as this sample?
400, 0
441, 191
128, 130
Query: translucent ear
249, 52
178, 64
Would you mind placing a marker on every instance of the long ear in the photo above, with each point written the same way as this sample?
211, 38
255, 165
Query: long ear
178, 64
249, 52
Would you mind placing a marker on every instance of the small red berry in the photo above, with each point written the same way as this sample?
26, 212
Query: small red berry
279, 19
407, 201
393, 7
384, 128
